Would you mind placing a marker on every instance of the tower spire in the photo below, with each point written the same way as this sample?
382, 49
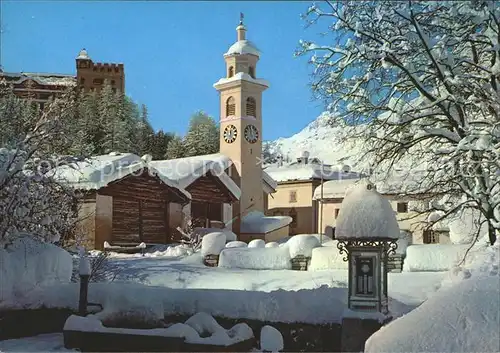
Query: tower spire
241, 28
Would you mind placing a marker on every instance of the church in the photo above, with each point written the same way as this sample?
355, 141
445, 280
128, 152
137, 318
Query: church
129, 199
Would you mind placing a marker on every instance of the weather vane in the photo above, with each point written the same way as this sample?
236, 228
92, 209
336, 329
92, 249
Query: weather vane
241, 18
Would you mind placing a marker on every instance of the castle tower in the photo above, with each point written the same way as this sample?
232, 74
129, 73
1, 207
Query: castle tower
241, 121
92, 76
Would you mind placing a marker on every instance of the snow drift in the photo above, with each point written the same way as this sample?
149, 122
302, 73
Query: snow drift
433, 257
29, 263
256, 258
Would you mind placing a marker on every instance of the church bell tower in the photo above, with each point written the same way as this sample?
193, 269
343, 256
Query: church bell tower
240, 94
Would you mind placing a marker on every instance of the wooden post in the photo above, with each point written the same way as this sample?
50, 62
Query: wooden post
84, 271
84, 289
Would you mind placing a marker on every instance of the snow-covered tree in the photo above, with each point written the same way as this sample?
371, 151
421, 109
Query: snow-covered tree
30, 200
423, 80
175, 148
203, 135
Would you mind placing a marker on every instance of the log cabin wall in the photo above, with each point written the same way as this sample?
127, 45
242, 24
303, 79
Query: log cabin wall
209, 195
135, 209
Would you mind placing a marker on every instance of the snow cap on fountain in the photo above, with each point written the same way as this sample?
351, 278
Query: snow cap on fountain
366, 214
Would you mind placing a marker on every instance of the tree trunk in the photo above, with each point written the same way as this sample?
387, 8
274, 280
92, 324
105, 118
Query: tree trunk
492, 233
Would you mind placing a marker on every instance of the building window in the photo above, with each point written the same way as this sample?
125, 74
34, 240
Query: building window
82, 81
230, 106
114, 90
112, 82
231, 72
251, 71
337, 210
94, 68
251, 107
98, 81
110, 69
431, 237
293, 196
402, 207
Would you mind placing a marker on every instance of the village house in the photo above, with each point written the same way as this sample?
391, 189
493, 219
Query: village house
410, 222
297, 182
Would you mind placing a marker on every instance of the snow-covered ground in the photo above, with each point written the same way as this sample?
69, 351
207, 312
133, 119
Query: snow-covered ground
52, 342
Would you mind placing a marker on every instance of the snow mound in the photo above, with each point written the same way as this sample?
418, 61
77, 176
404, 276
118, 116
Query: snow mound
236, 244
327, 258
271, 339
365, 213
230, 236
29, 263
460, 318
256, 258
201, 328
272, 244
256, 222
257, 243
172, 251
433, 257
213, 243
302, 244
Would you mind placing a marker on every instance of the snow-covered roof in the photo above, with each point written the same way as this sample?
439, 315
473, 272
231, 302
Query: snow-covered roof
243, 47
241, 76
309, 171
83, 54
43, 78
365, 214
393, 183
334, 189
98, 171
257, 223
186, 170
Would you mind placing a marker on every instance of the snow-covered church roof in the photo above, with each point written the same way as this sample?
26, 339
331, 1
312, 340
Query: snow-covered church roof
243, 47
365, 214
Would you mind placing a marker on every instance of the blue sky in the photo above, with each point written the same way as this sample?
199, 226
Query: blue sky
172, 52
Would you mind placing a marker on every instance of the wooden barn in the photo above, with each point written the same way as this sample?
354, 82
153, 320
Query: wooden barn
125, 202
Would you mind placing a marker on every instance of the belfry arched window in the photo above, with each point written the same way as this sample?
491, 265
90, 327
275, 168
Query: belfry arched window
230, 72
251, 71
251, 107
230, 106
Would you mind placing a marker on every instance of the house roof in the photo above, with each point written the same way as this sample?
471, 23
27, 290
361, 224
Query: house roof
50, 79
186, 170
97, 172
309, 171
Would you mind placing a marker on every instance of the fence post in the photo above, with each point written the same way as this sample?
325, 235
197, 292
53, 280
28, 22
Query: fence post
84, 283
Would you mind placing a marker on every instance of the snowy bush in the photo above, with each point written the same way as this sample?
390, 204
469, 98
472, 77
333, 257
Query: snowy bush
302, 244
28, 263
213, 243
257, 243
236, 244
256, 258
271, 339
433, 257
272, 244
326, 258
464, 227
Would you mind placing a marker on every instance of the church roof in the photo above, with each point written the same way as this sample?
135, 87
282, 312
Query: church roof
243, 47
309, 171
244, 77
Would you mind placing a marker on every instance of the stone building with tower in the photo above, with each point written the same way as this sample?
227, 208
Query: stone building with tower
90, 76
131, 200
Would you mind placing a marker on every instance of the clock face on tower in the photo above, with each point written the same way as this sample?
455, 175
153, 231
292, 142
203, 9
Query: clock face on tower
230, 133
251, 133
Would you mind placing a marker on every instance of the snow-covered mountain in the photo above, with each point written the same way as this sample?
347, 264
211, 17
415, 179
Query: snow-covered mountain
322, 141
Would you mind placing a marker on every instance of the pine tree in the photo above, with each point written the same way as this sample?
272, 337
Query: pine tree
203, 135
175, 148
145, 133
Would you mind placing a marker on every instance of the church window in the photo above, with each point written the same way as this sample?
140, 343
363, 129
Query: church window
230, 106
251, 107
251, 71
82, 81
293, 196
231, 71
402, 207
